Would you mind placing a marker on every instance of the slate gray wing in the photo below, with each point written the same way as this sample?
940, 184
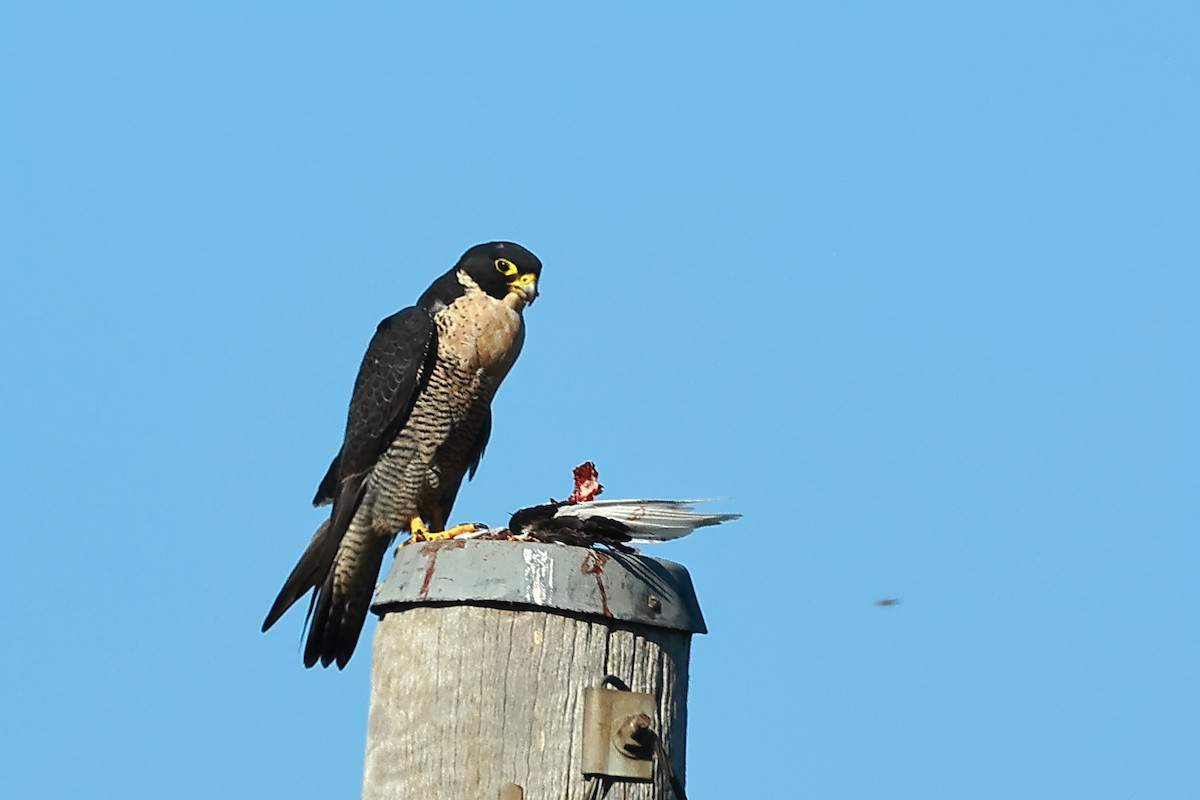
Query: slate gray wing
393, 372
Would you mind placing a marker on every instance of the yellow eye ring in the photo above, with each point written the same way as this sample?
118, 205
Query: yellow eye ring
506, 267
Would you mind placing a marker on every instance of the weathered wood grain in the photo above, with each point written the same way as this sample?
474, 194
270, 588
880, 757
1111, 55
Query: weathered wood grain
466, 699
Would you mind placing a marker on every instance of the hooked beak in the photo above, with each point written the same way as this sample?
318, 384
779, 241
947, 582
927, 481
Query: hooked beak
525, 286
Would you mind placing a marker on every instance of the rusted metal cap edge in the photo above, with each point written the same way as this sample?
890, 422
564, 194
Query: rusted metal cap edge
629, 588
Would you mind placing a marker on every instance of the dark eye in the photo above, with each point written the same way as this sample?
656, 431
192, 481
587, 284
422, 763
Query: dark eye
505, 267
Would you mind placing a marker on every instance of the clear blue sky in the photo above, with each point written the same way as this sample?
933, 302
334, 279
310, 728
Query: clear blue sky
914, 286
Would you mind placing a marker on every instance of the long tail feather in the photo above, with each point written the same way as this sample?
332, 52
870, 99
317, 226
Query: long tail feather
344, 599
309, 573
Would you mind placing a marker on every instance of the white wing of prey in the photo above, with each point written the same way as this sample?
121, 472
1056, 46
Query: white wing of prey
648, 520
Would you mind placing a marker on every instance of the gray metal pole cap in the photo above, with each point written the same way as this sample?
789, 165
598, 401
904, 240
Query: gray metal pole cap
629, 588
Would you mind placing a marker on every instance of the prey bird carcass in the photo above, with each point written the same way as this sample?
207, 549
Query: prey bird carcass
584, 521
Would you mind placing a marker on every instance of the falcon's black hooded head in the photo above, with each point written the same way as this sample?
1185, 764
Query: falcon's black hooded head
498, 268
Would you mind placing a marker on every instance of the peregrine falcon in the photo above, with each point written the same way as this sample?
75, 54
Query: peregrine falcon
419, 419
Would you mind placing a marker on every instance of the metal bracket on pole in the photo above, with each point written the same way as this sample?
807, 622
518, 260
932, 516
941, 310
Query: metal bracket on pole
618, 734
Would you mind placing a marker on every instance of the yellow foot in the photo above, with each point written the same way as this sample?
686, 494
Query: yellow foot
450, 533
419, 532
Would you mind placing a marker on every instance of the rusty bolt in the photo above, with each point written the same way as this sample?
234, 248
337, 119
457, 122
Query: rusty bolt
634, 737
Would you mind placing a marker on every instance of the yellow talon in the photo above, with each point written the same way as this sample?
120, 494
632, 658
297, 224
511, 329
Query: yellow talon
419, 532
457, 530
417, 529
450, 533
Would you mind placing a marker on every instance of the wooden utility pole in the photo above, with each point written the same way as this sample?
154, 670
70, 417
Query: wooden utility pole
487, 653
